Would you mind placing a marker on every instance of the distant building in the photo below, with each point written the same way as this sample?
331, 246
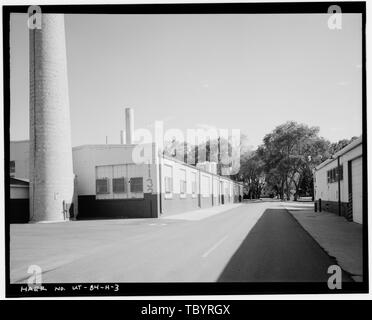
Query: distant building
348, 194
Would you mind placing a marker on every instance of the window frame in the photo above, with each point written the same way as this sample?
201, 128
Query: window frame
332, 174
139, 184
168, 183
124, 185
107, 186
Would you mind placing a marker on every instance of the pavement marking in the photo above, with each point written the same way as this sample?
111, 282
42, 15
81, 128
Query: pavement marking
215, 246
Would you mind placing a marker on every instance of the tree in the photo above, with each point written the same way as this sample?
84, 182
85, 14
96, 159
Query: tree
337, 146
306, 183
252, 174
288, 153
176, 149
219, 150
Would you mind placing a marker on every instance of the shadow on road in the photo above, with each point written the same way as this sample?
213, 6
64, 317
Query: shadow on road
278, 249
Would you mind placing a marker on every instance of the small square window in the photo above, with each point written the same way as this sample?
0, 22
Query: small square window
136, 185
102, 186
118, 185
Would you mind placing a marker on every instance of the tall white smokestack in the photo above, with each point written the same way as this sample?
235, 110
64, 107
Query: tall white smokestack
51, 173
129, 125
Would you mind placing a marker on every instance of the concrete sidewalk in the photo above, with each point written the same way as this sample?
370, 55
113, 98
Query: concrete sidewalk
340, 238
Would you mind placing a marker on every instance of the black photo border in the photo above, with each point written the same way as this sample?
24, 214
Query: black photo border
167, 289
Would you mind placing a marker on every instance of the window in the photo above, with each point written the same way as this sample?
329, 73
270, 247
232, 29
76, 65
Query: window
168, 184
102, 186
168, 181
193, 184
118, 185
12, 168
182, 183
332, 175
136, 184
341, 172
205, 185
183, 188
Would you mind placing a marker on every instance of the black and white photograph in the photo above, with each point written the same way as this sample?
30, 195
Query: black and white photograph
185, 149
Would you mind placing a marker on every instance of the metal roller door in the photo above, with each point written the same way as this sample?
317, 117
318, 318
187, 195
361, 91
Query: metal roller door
357, 185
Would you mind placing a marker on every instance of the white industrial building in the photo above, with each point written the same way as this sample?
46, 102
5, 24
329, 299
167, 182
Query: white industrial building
341, 191
109, 183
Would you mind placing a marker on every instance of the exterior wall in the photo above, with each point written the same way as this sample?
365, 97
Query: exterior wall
227, 191
356, 192
332, 206
216, 191
206, 190
20, 154
328, 192
87, 158
92, 161
211, 189
110, 161
19, 192
19, 208
174, 202
128, 171
91, 208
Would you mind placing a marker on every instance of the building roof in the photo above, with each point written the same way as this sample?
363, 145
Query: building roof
18, 181
341, 152
20, 141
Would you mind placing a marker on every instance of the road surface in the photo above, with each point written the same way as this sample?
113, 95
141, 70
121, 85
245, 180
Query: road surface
255, 242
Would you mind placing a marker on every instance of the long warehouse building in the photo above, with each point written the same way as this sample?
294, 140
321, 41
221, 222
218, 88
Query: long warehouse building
109, 184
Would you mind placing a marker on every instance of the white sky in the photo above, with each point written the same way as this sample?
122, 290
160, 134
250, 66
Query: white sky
249, 72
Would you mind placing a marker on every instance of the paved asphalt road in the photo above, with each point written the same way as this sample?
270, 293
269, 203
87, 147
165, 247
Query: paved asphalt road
254, 242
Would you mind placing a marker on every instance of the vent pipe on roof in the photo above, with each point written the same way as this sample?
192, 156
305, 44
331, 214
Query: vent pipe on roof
129, 125
121, 137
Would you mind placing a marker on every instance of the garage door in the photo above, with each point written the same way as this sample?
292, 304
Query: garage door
357, 185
